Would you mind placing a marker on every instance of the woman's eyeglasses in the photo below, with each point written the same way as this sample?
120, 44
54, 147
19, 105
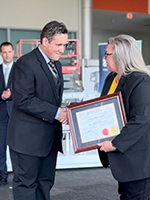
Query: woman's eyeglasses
107, 54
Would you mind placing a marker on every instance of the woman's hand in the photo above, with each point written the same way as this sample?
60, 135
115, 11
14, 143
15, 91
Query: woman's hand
107, 146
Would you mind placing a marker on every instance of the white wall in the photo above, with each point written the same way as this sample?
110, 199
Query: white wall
34, 14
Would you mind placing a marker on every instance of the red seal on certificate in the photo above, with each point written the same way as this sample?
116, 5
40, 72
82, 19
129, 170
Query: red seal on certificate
105, 131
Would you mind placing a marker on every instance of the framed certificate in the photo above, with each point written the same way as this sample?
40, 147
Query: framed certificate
96, 120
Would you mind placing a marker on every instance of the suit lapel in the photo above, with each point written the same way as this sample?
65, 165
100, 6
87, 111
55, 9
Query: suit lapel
121, 83
10, 74
109, 81
47, 71
2, 75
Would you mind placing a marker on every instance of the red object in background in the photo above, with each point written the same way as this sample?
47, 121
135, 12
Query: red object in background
129, 16
73, 55
140, 6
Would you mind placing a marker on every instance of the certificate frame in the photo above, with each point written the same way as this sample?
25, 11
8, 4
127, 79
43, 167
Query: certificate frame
96, 120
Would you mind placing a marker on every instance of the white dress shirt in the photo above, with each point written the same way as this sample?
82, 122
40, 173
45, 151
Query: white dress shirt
9, 69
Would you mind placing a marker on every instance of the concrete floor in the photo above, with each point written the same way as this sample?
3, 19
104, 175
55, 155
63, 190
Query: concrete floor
76, 184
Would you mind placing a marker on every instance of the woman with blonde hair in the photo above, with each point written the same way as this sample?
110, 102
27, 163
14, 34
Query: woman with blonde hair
128, 154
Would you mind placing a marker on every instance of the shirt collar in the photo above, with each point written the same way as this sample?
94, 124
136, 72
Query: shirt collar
44, 55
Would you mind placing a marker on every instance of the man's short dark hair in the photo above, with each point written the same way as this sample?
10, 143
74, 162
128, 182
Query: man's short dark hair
51, 29
6, 44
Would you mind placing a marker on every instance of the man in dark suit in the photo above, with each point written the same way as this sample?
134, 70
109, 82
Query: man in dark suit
7, 53
35, 127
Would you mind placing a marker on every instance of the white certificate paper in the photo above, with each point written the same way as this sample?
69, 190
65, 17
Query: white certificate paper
97, 123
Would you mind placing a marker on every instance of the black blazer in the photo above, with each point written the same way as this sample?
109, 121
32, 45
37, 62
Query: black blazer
32, 124
131, 160
5, 105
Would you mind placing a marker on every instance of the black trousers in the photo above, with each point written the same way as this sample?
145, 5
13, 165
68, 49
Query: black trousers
135, 190
33, 176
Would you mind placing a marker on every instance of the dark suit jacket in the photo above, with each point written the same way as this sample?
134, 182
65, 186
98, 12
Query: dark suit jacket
32, 124
5, 105
131, 160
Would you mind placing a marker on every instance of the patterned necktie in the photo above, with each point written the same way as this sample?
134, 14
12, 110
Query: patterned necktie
6, 75
52, 65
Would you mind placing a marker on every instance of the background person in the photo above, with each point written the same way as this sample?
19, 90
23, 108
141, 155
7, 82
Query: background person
35, 128
129, 152
6, 68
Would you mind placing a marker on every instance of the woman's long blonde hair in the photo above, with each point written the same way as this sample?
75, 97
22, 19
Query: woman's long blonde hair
127, 55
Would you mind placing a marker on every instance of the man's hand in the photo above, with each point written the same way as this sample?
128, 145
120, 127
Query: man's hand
63, 116
6, 94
